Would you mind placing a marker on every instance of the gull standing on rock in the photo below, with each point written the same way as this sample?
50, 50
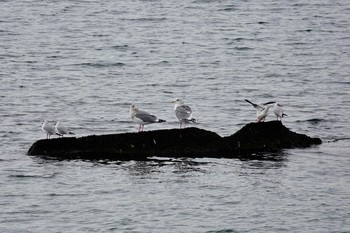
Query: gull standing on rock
263, 114
48, 129
143, 118
278, 111
183, 112
261, 110
61, 129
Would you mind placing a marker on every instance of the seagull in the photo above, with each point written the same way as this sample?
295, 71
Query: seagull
48, 129
263, 114
143, 118
260, 113
61, 129
278, 111
183, 112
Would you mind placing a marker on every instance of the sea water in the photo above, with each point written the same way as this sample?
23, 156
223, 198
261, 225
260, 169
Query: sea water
85, 62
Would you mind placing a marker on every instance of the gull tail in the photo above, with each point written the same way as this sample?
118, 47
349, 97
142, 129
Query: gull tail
59, 134
71, 133
283, 115
161, 121
187, 120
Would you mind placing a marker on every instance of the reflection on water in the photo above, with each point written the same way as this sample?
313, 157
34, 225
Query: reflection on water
261, 161
267, 156
154, 165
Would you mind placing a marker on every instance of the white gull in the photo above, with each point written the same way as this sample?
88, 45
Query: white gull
143, 118
61, 130
48, 129
183, 112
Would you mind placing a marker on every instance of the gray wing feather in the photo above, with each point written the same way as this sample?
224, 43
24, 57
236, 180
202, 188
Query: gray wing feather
271, 102
146, 117
254, 105
183, 112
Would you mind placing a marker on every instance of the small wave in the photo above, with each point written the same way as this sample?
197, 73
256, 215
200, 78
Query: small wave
146, 19
334, 139
3, 55
222, 231
341, 82
247, 39
243, 48
120, 47
65, 194
296, 43
100, 35
99, 65
32, 176
162, 63
305, 30
312, 121
228, 8
158, 63
239, 39
8, 230
316, 120
262, 22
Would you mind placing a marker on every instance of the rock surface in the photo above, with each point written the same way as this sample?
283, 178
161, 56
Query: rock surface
189, 142
268, 136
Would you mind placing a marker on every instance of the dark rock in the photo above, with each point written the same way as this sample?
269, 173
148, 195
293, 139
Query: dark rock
268, 136
189, 142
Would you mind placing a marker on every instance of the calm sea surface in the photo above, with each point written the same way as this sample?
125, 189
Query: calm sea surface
85, 62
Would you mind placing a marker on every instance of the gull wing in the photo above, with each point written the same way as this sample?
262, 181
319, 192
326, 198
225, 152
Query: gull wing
271, 102
62, 129
183, 112
146, 117
254, 105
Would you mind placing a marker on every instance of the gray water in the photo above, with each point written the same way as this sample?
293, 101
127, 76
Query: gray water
85, 62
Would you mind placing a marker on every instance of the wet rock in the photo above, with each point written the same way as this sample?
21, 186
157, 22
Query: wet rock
268, 136
189, 142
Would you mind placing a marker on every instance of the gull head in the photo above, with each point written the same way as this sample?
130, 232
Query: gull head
177, 101
278, 104
133, 108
